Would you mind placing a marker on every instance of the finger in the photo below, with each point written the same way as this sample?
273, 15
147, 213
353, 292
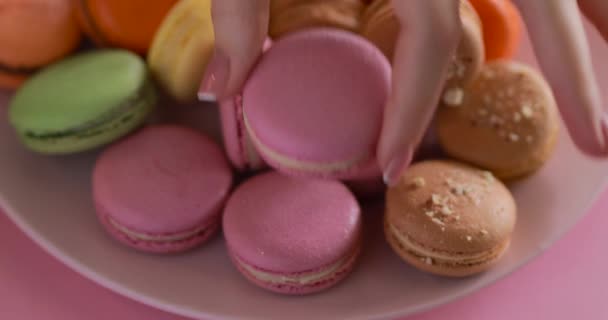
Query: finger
561, 47
430, 32
240, 30
597, 12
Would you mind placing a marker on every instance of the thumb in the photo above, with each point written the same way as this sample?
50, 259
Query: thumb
240, 30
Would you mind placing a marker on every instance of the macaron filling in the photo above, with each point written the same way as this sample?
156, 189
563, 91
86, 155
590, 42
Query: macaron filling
284, 161
165, 238
303, 278
129, 112
455, 259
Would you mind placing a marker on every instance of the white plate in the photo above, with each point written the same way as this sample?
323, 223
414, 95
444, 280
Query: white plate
49, 198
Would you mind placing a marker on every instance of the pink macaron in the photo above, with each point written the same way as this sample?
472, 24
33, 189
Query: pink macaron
292, 235
313, 105
162, 189
237, 142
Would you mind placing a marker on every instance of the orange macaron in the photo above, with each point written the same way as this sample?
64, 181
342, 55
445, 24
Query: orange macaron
128, 24
34, 33
502, 27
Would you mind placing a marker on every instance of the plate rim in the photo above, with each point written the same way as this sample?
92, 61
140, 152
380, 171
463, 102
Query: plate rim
109, 284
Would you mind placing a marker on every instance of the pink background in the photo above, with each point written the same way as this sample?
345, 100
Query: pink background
568, 282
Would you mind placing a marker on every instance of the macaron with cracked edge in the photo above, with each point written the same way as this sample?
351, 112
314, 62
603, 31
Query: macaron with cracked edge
33, 34
162, 190
381, 27
287, 16
314, 104
449, 219
83, 102
290, 235
182, 48
507, 121
128, 24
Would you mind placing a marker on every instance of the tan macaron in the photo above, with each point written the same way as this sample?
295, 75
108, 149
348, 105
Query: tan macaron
380, 26
449, 219
506, 121
287, 16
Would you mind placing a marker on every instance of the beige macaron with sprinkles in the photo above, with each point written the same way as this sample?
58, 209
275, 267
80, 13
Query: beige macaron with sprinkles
449, 218
506, 121
381, 26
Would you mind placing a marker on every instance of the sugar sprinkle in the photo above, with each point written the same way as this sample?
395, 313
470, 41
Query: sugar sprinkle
437, 221
418, 182
436, 199
453, 97
487, 175
517, 117
527, 111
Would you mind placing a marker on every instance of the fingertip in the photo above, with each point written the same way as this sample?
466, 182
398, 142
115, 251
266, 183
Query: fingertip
216, 78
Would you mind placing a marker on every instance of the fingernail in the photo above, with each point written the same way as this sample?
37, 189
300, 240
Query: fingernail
395, 167
215, 78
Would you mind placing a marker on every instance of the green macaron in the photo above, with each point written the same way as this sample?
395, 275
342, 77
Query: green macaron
83, 102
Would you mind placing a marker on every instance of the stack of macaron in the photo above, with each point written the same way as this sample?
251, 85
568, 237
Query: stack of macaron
297, 158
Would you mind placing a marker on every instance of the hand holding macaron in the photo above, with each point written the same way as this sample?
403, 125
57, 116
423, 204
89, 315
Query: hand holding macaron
430, 35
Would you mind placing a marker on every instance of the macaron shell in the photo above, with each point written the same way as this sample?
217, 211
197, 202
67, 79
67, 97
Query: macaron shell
157, 246
237, 143
343, 14
162, 180
470, 54
480, 215
77, 90
34, 33
289, 225
182, 48
503, 27
508, 121
299, 289
381, 26
126, 24
130, 118
449, 270
231, 133
317, 97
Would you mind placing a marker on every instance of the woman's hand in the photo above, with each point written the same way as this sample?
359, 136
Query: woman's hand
240, 31
429, 37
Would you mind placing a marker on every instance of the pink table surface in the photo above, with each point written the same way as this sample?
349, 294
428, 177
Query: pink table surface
568, 282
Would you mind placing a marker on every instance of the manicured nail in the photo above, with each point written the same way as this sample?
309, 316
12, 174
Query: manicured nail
393, 171
215, 78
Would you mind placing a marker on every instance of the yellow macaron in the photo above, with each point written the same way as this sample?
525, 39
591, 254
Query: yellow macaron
182, 48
